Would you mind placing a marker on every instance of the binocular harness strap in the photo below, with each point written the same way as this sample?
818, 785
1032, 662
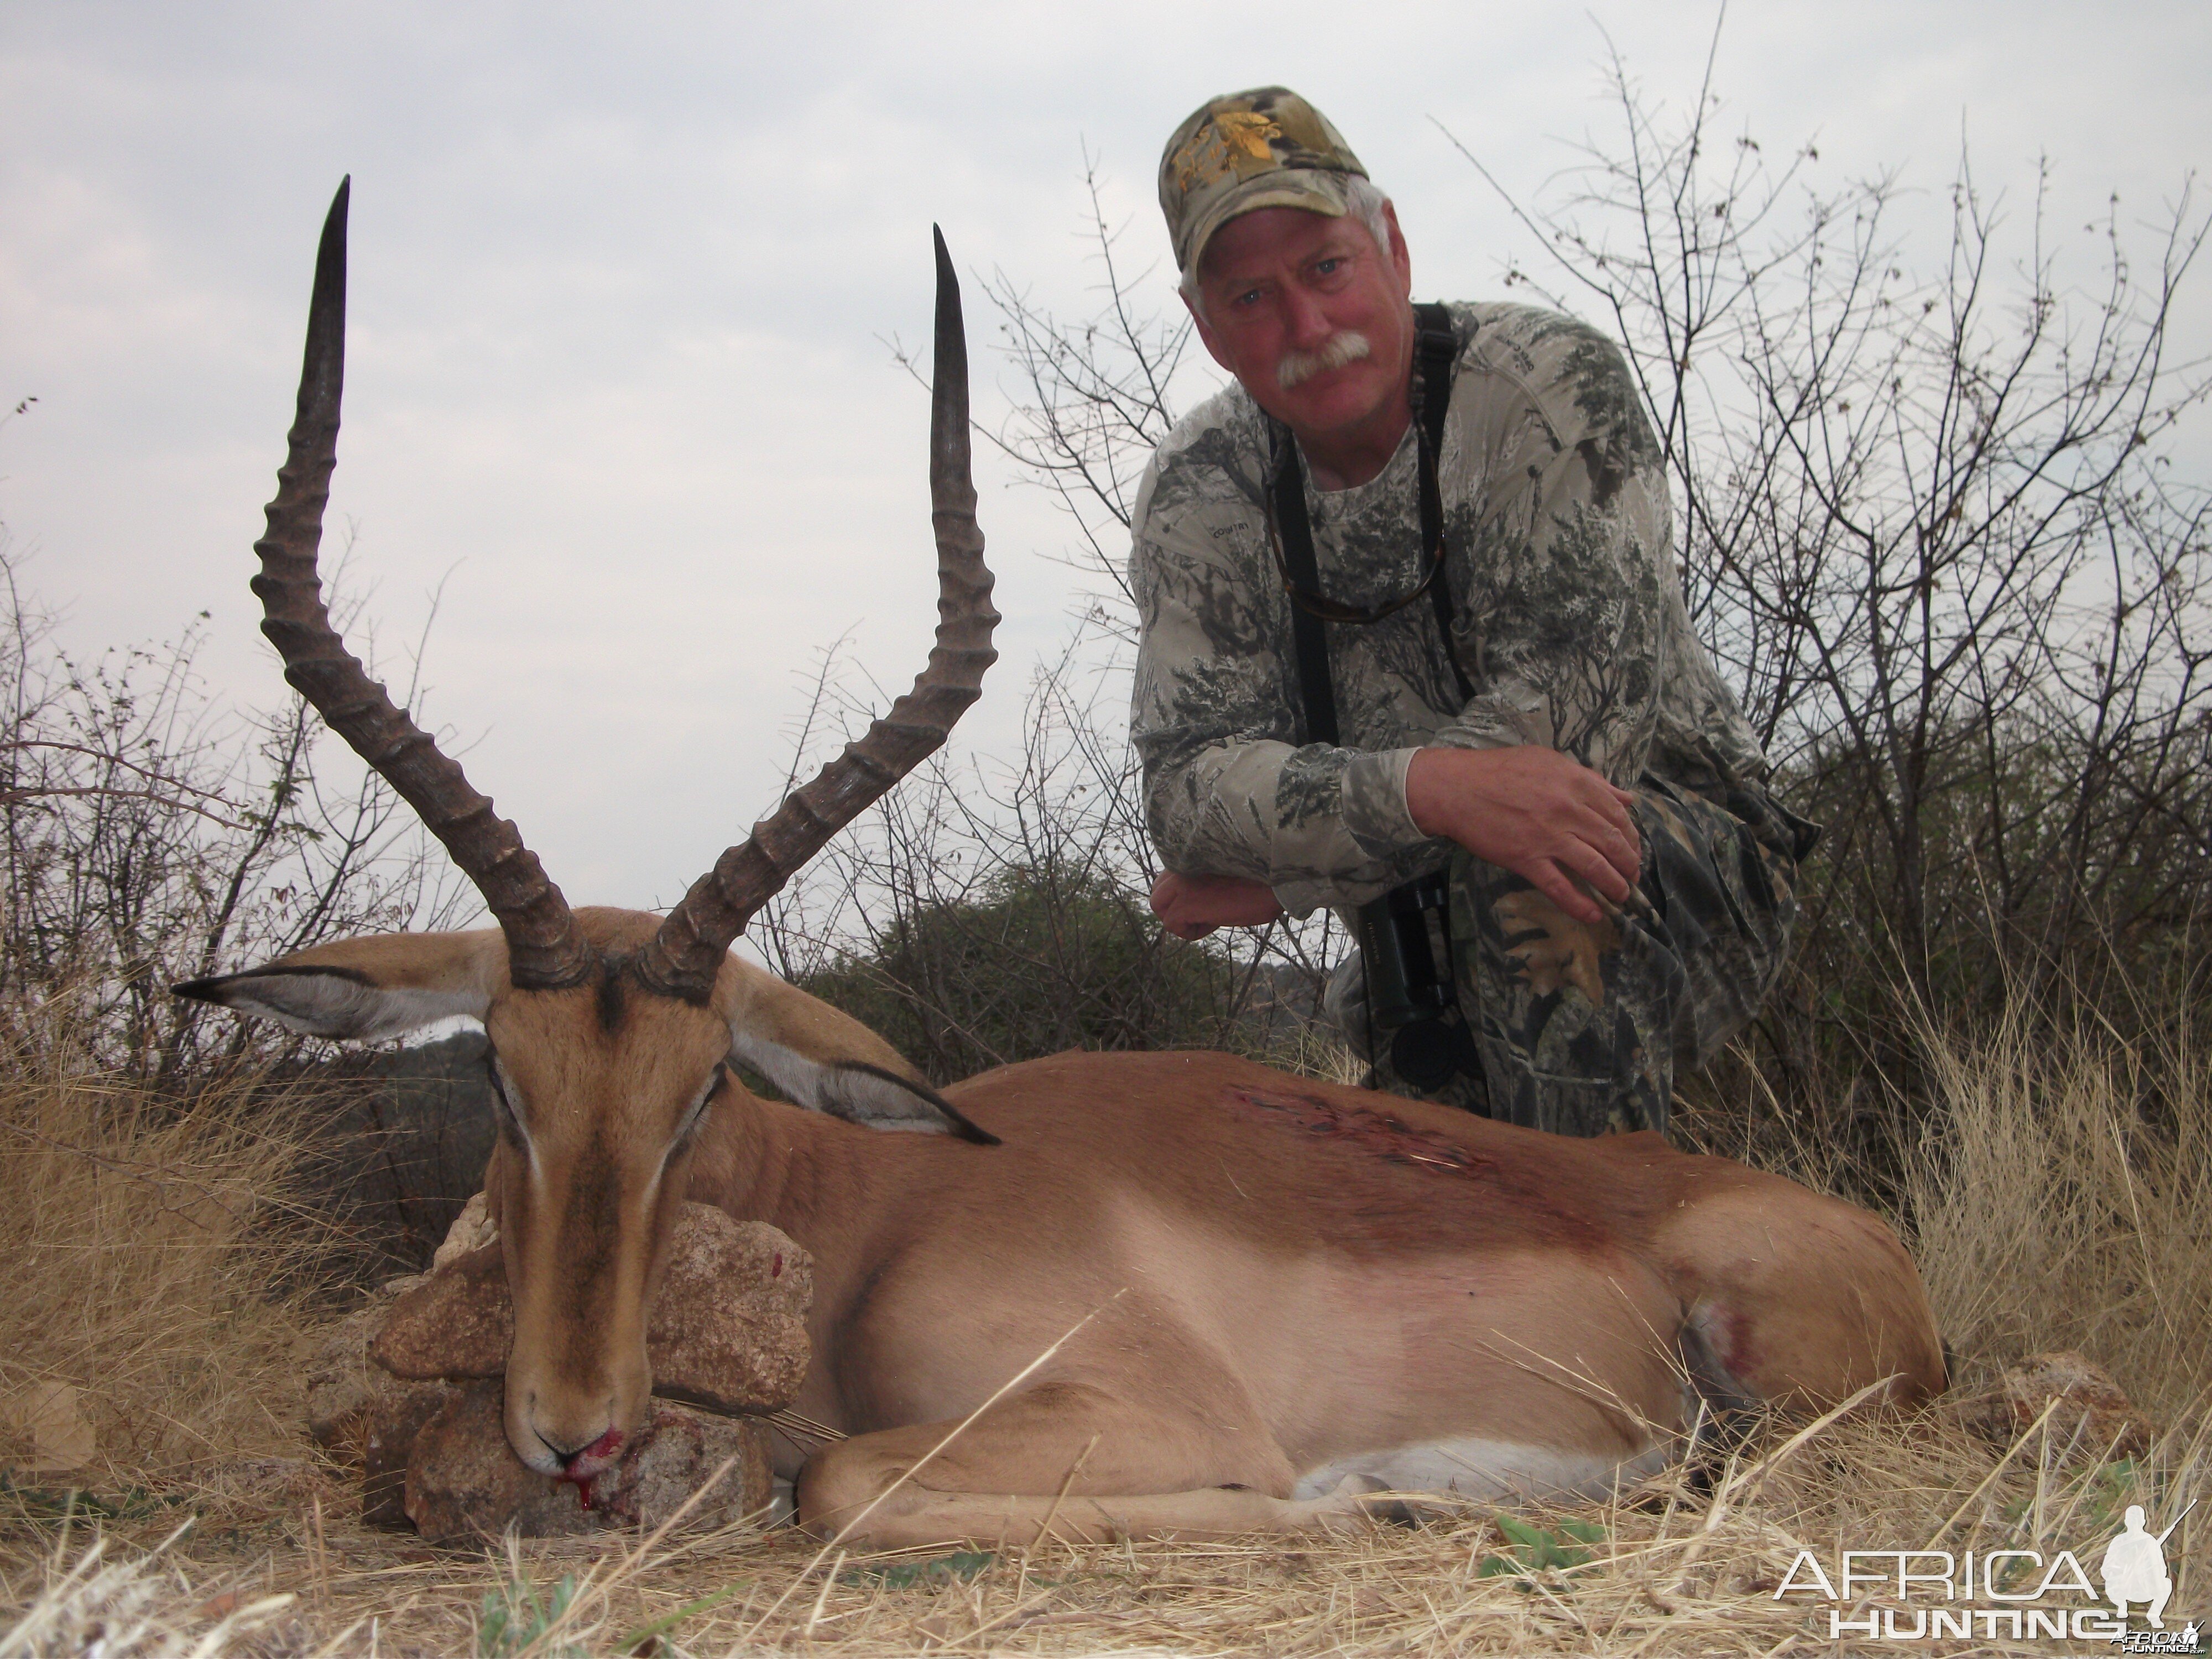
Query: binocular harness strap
1394, 930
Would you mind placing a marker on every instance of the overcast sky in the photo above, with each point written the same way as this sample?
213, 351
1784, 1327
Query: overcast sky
621, 278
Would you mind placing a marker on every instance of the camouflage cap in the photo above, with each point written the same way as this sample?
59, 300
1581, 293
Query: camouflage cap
1265, 148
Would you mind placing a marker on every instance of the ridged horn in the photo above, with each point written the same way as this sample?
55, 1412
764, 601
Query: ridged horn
685, 956
545, 950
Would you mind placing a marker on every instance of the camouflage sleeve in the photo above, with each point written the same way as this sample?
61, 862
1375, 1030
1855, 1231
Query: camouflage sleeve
1568, 531
1557, 516
1231, 786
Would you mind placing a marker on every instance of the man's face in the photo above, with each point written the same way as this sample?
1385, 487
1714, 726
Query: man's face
1285, 292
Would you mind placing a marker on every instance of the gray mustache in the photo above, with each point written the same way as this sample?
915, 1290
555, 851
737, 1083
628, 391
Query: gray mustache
1335, 352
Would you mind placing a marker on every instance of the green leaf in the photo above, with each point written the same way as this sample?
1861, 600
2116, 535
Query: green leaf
1537, 1550
1520, 1532
511, 1621
940, 1570
668, 1621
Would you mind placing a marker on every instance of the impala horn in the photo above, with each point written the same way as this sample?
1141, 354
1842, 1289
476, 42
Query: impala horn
685, 956
545, 949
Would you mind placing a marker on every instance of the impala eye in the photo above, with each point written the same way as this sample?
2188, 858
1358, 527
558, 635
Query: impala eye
502, 1108
696, 1114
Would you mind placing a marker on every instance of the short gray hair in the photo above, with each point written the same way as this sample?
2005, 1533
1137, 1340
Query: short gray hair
1366, 203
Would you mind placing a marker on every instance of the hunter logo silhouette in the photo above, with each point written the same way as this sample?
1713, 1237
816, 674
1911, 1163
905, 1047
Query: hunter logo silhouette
2134, 1567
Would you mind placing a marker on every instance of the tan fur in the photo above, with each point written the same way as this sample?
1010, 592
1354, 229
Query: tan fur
1265, 1275
477, 959
1267, 1297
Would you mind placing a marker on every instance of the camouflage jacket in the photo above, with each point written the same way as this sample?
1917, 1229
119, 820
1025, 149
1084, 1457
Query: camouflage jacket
1569, 620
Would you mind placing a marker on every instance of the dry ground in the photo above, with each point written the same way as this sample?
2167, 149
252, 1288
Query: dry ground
2062, 1202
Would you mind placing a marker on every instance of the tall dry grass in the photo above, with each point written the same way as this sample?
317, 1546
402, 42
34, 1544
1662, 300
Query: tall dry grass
148, 1249
2063, 1199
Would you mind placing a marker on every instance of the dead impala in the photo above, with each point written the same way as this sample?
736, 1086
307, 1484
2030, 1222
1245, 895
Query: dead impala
1296, 1293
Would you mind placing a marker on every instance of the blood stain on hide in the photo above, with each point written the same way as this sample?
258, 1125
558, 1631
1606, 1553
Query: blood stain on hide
1530, 1195
1739, 1354
1384, 1134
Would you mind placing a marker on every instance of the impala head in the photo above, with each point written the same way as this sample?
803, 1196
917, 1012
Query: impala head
611, 1033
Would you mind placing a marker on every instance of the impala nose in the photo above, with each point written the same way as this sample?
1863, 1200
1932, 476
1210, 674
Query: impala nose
588, 1459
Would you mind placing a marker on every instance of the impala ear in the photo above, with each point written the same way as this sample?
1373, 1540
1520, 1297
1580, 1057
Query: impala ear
856, 1091
366, 988
828, 1061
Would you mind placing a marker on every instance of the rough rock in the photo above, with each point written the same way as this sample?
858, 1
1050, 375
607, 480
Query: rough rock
465, 1483
727, 1329
410, 1390
472, 1231
456, 1322
2090, 1415
675, 1456
390, 1427
342, 1384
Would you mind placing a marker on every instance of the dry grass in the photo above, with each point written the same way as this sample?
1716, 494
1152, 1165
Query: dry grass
2065, 1201
1676, 1569
142, 1255
2062, 1202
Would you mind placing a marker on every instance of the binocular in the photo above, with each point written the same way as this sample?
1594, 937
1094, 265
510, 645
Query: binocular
1402, 936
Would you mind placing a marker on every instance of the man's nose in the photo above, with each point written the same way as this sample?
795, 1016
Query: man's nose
1306, 323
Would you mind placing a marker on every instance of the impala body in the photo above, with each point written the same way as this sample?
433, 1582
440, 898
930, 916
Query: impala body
1257, 1298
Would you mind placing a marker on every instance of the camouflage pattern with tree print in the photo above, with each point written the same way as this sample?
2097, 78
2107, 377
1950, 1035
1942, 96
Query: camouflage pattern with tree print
1581, 1028
1569, 623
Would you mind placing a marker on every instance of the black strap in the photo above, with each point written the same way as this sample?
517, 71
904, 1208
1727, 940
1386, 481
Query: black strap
1425, 1047
1436, 348
1435, 351
1309, 640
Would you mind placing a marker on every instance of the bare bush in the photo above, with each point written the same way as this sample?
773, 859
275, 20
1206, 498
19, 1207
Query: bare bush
1097, 394
149, 835
992, 912
1930, 521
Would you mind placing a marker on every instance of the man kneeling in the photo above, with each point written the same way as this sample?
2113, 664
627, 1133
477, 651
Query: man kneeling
1414, 646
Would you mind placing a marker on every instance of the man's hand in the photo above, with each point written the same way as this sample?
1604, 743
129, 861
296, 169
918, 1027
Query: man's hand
1542, 815
1191, 906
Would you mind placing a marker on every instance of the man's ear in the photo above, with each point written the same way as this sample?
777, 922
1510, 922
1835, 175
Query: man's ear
1204, 333
383, 987
1401, 258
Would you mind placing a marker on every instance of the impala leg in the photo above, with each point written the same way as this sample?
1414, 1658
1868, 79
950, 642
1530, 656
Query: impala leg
1071, 1457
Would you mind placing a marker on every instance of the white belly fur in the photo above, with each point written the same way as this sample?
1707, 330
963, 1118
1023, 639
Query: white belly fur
1483, 1470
